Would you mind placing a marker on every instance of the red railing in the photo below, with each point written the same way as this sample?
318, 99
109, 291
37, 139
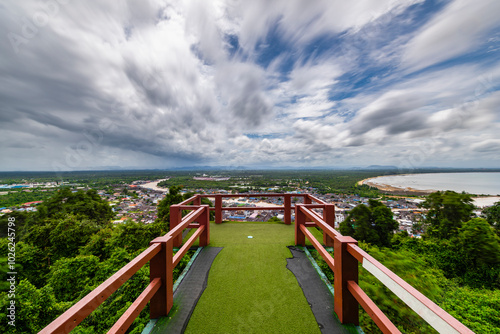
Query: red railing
160, 289
348, 295
347, 298
286, 207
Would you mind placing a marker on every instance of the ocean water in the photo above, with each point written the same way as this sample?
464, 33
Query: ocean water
472, 183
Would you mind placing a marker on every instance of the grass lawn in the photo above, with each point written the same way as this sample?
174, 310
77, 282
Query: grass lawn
250, 290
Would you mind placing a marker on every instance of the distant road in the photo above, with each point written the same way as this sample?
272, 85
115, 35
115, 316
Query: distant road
154, 186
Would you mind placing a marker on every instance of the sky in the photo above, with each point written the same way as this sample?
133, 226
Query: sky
153, 84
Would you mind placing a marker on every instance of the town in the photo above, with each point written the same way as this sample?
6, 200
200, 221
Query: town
138, 200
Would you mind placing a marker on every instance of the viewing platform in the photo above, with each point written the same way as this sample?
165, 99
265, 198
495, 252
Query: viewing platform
247, 278
251, 287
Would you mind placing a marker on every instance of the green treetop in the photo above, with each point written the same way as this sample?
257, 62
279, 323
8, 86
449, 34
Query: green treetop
480, 243
447, 211
492, 215
85, 204
373, 224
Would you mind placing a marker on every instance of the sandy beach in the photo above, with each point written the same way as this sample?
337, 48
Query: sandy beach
389, 188
481, 202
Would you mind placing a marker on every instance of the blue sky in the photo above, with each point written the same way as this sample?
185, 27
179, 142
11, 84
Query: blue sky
163, 84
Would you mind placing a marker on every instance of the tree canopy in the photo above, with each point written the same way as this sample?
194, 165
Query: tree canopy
373, 224
173, 197
87, 204
492, 215
69, 248
479, 242
446, 213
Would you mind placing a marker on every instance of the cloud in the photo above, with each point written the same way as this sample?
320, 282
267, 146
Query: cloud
301, 22
460, 28
242, 91
306, 92
387, 109
162, 84
487, 146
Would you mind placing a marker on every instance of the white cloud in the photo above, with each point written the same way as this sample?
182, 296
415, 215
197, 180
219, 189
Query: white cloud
458, 29
157, 84
300, 21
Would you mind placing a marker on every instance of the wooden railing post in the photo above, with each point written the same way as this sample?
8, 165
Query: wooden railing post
161, 266
307, 199
170, 274
288, 209
348, 295
205, 221
329, 218
300, 219
346, 269
197, 200
218, 209
175, 219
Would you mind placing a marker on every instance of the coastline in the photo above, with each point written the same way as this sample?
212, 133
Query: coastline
484, 201
395, 190
479, 200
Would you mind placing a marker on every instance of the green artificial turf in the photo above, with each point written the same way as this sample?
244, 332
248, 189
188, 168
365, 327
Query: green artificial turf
250, 290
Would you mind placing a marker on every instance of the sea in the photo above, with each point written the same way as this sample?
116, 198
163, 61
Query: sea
473, 183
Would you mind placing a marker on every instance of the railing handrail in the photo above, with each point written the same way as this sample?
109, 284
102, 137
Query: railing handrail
186, 220
160, 246
287, 206
332, 233
255, 195
315, 199
74, 315
348, 294
417, 301
189, 200
435, 316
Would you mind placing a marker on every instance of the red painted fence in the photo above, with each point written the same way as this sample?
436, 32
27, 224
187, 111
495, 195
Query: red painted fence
160, 289
348, 295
